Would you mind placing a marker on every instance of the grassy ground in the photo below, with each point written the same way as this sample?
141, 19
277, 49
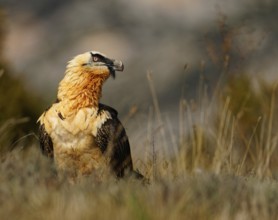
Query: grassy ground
30, 190
222, 166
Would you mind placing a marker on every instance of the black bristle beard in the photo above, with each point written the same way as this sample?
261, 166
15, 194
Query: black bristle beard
112, 72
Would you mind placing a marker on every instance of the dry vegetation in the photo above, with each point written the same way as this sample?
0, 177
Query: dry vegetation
222, 163
222, 168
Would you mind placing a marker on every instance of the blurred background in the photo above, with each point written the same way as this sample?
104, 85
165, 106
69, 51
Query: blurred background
182, 43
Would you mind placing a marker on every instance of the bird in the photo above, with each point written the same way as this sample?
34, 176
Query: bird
81, 135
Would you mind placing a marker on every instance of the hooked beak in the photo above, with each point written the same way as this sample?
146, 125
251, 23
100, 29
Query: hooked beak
115, 65
118, 65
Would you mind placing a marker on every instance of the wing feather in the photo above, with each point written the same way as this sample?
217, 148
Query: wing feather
112, 139
46, 144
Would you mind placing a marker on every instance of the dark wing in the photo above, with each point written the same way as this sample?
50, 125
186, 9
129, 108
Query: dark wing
46, 144
112, 139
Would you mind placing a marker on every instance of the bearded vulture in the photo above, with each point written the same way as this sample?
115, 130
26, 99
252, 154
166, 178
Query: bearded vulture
83, 136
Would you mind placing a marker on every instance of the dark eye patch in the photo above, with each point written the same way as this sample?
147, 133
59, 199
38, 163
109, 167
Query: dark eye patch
97, 58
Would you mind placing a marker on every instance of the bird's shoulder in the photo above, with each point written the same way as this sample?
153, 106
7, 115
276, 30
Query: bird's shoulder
112, 111
48, 109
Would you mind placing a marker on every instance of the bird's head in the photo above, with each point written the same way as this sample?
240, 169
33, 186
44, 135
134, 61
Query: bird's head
85, 74
95, 63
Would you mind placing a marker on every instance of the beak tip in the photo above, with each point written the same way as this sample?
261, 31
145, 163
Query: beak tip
118, 65
122, 66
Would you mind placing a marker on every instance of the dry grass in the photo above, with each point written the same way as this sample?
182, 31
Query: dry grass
218, 169
30, 190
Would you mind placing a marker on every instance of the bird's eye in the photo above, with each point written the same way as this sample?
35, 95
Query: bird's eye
95, 58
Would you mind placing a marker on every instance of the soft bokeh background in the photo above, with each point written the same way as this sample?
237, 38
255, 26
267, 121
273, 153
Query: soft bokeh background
160, 36
180, 42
